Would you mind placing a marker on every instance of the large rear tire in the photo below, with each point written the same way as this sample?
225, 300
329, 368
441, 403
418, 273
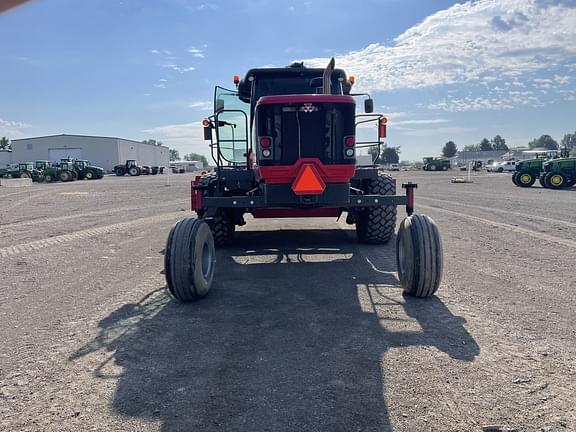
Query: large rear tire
419, 256
65, 176
542, 180
120, 171
525, 179
376, 225
189, 260
515, 178
556, 180
134, 171
222, 227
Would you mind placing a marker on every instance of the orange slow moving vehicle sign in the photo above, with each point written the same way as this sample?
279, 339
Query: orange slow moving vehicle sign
308, 181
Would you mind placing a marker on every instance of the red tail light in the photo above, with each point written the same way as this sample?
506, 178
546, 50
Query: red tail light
350, 141
265, 142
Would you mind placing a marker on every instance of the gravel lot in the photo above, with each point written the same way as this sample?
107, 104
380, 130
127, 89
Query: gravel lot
305, 329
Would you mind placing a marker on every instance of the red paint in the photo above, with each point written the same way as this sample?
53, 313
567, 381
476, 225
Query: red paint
195, 194
270, 100
295, 213
308, 181
410, 197
285, 174
382, 131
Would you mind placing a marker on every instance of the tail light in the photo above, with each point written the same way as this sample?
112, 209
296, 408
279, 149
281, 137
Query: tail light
350, 141
265, 142
382, 127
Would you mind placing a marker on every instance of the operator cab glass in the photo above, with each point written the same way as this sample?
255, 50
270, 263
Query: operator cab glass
231, 121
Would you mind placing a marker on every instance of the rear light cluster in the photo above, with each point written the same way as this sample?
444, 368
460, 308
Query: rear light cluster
265, 146
349, 143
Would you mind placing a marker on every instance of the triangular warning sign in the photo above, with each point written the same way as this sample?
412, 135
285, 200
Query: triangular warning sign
308, 181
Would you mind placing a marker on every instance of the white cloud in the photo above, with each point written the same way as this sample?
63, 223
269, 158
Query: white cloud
179, 69
12, 129
420, 122
202, 105
160, 85
155, 51
482, 41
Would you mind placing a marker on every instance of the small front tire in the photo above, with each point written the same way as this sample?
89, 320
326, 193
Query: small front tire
419, 256
189, 260
525, 179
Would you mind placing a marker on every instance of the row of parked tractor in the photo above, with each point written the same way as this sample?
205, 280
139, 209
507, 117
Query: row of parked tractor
46, 171
552, 173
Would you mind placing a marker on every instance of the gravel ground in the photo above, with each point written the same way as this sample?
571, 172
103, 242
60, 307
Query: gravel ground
305, 329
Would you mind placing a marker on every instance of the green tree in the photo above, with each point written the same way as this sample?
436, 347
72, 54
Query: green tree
499, 143
472, 147
5, 144
545, 141
373, 152
449, 149
485, 145
569, 141
196, 157
152, 142
390, 155
174, 155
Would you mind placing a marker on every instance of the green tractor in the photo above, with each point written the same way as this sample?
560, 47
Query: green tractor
66, 171
527, 171
559, 173
436, 164
26, 170
88, 171
49, 171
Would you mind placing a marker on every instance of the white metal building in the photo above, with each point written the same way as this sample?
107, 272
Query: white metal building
5, 158
101, 151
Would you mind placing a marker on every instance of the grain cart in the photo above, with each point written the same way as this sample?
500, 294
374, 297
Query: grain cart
435, 164
284, 144
130, 167
88, 171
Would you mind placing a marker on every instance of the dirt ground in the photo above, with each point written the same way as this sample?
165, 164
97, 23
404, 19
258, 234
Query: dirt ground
304, 330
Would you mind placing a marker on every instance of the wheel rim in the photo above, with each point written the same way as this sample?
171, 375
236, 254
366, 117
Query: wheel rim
88, 175
556, 180
207, 261
525, 178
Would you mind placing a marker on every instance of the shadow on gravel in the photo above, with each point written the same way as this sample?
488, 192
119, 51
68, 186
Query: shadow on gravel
291, 338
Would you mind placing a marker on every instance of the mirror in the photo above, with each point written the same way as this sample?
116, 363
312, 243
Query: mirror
207, 133
219, 105
368, 106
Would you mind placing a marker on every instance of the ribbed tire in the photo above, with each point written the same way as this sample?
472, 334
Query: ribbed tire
515, 178
222, 228
120, 171
419, 256
525, 179
376, 225
189, 260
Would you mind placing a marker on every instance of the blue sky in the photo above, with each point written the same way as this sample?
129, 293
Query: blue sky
440, 70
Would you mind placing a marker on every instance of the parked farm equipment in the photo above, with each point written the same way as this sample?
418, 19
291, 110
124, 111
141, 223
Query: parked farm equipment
130, 167
436, 164
284, 144
87, 171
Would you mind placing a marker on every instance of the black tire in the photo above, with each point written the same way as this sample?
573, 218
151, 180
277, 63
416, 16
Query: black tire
376, 225
571, 183
89, 175
419, 256
444, 168
74, 175
556, 180
515, 178
134, 171
222, 227
500, 170
120, 171
65, 176
49, 178
525, 179
432, 167
542, 180
189, 260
